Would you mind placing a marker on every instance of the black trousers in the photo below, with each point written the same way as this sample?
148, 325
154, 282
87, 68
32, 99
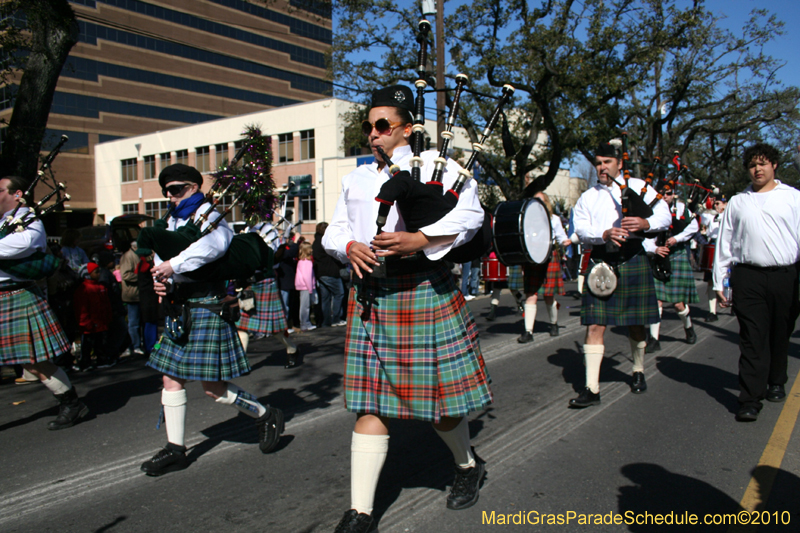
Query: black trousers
765, 301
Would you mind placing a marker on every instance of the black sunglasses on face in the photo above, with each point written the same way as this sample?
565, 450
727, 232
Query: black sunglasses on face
382, 126
174, 190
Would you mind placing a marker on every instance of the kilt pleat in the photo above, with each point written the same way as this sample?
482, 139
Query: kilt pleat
213, 351
545, 279
417, 356
268, 317
516, 280
30, 332
681, 286
632, 304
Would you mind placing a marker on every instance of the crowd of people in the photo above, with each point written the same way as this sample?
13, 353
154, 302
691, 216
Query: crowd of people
412, 346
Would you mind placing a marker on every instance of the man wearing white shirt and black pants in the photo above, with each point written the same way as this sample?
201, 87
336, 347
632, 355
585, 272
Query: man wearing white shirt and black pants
760, 237
616, 240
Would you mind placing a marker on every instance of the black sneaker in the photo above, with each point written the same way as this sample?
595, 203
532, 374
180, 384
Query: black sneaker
466, 485
525, 337
554, 330
354, 522
171, 458
70, 410
585, 399
691, 336
270, 427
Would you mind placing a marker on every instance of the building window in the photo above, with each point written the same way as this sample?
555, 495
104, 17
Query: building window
285, 147
166, 160
222, 153
182, 156
129, 170
150, 167
308, 206
203, 159
130, 209
236, 213
156, 209
307, 144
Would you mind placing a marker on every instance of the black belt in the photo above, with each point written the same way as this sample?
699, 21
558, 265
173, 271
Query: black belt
415, 263
622, 254
785, 268
203, 289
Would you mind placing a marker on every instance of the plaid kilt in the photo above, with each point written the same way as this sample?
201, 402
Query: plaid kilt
213, 351
632, 304
681, 285
268, 317
546, 279
515, 278
29, 331
417, 356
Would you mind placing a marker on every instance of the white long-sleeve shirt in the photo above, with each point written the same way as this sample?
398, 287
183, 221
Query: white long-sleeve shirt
599, 209
760, 229
357, 211
685, 235
559, 235
202, 251
21, 244
711, 221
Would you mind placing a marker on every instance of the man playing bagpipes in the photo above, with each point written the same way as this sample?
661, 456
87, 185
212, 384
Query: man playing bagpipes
679, 286
200, 342
616, 242
411, 347
30, 335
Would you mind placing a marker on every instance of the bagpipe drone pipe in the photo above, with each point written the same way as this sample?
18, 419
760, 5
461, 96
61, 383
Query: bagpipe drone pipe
247, 252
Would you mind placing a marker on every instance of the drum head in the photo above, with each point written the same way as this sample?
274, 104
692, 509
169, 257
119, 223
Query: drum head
537, 233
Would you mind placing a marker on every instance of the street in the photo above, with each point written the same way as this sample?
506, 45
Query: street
675, 451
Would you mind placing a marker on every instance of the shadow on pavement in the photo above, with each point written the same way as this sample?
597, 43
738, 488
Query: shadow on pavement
714, 381
574, 371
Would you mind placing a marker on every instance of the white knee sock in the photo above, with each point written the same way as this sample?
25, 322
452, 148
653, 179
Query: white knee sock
291, 348
242, 400
655, 329
244, 338
530, 316
687, 320
367, 455
58, 383
495, 301
593, 358
552, 310
637, 349
457, 439
712, 299
580, 283
174, 403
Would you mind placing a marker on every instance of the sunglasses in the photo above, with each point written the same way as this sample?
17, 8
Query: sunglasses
174, 190
382, 126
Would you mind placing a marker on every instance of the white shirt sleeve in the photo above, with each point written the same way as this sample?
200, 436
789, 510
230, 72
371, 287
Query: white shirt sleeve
206, 249
339, 232
661, 217
649, 245
688, 232
558, 229
723, 253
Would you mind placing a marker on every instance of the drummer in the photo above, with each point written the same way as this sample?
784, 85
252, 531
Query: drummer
545, 279
617, 241
711, 220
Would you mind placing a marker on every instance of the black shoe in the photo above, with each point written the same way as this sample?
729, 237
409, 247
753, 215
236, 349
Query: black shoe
712, 317
171, 458
554, 330
70, 410
354, 522
270, 427
585, 399
492, 314
466, 485
776, 393
291, 361
525, 337
653, 345
691, 336
639, 385
747, 414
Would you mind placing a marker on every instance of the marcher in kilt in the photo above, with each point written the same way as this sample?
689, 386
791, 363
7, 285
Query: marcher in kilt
680, 289
31, 335
411, 349
514, 284
545, 279
616, 240
711, 220
211, 353
269, 317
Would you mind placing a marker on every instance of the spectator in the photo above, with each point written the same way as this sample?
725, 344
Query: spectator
469, 278
60, 293
305, 283
73, 254
285, 272
93, 313
130, 295
148, 303
331, 288
118, 339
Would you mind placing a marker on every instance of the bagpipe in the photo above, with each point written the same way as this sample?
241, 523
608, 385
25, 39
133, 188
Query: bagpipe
421, 204
40, 264
247, 252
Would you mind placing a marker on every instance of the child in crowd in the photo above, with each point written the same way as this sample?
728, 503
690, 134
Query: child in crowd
305, 283
93, 313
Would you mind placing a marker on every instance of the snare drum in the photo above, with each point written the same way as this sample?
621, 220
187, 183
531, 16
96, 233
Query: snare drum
493, 270
707, 258
522, 232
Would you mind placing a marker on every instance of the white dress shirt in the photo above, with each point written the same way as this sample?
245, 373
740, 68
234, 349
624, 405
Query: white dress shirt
21, 244
599, 209
685, 235
760, 229
357, 211
202, 251
711, 221
559, 235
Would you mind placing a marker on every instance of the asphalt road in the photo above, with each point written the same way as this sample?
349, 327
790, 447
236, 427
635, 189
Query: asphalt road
672, 452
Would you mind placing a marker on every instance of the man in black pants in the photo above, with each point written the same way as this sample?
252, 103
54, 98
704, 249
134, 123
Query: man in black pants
760, 237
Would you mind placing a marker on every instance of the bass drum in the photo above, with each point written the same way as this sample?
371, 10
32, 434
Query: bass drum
522, 232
